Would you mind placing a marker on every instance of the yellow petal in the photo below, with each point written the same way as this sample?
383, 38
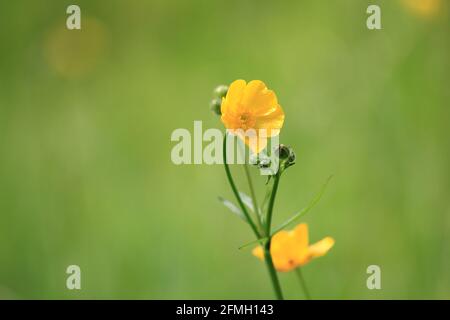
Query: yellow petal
301, 236
285, 266
233, 97
281, 265
280, 242
281, 249
258, 252
228, 118
256, 144
272, 121
289, 249
321, 247
258, 98
252, 138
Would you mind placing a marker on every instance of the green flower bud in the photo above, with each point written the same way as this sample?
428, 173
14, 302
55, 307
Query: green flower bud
286, 155
292, 157
220, 91
283, 152
215, 105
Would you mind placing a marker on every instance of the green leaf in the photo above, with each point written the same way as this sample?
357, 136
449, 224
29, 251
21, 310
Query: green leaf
260, 240
305, 210
233, 208
299, 214
247, 201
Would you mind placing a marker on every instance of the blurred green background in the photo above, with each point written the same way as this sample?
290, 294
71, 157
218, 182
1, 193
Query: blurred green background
85, 124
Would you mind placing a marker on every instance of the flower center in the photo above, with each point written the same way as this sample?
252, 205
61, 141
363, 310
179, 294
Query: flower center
246, 120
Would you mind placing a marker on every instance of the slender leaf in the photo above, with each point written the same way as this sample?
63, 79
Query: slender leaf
247, 201
233, 208
299, 214
261, 241
305, 210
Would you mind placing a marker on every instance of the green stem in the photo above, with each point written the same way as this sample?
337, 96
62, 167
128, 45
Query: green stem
272, 202
267, 255
272, 271
235, 191
253, 195
302, 281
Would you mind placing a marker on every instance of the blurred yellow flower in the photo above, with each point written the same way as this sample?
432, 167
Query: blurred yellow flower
75, 53
291, 249
424, 8
251, 111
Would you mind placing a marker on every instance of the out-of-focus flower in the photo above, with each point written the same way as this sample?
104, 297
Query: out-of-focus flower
424, 8
291, 249
251, 111
74, 53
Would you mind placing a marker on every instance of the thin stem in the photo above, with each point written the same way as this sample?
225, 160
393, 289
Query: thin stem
267, 254
302, 281
272, 271
271, 202
253, 195
235, 191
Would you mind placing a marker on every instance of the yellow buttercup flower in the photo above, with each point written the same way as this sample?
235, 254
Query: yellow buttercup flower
251, 111
291, 249
424, 8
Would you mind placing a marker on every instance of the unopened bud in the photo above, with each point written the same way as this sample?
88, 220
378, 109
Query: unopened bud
220, 91
286, 155
283, 152
215, 105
